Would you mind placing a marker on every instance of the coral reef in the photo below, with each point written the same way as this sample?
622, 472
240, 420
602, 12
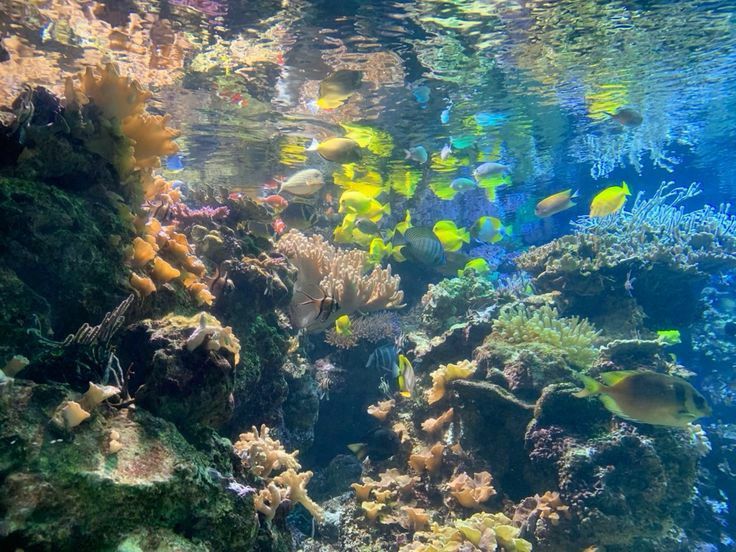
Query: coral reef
574, 337
328, 272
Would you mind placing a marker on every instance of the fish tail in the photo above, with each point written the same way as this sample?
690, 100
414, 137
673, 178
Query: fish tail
508, 230
625, 188
313, 145
386, 209
407, 154
575, 194
360, 450
592, 387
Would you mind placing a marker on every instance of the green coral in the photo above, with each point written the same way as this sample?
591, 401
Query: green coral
574, 336
482, 531
449, 301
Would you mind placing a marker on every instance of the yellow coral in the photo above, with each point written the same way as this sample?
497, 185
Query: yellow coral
363, 490
447, 373
414, 519
296, 484
372, 509
162, 271
428, 459
142, 284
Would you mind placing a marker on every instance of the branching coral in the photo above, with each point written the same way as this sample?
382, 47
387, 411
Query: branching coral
327, 271
296, 485
447, 373
263, 454
575, 337
481, 531
472, 492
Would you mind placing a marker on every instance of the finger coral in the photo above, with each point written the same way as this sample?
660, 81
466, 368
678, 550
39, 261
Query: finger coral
574, 337
296, 484
263, 454
472, 492
447, 373
326, 271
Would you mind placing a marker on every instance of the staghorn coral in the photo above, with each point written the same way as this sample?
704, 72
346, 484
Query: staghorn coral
263, 454
445, 374
472, 492
381, 410
575, 337
480, 531
325, 270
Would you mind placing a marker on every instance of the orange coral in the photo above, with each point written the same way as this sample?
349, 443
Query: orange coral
433, 425
163, 271
445, 374
429, 459
472, 492
414, 519
550, 506
143, 252
363, 491
262, 454
381, 410
372, 509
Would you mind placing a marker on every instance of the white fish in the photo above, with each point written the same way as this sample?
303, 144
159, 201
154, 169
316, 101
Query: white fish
304, 183
488, 169
446, 151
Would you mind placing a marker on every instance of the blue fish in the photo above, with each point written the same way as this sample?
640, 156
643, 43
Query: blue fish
445, 116
463, 183
483, 119
174, 162
418, 154
421, 93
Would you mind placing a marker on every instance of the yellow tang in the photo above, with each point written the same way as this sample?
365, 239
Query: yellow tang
450, 235
343, 326
360, 204
479, 265
379, 250
609, 200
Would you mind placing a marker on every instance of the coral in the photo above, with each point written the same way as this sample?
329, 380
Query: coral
262, 454
210, 333
575, 337
433, 425
445, 374
450, 301
268, 500
373, 328
296, 484
328, 271
96, 395
371, 509
15, 365
381, 410
471, 492
363, 490
414, 519
480, 531
429, 459
69, 414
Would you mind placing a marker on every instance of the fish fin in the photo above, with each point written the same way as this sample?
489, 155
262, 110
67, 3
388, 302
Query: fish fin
508, 230
496, 238
592, 387
386, 209
613, 407
612, 378
575, 194
360, 450
611, 115
313, 145
625, 188
407, 154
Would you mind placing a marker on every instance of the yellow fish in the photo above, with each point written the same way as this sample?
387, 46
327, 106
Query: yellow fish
648, 397
337, 150
357, 203
609, 200
379, 250
555, 203
343, 326
405, 224
478, 265
406, 378
450, 235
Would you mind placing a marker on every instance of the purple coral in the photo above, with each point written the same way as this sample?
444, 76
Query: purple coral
185, 215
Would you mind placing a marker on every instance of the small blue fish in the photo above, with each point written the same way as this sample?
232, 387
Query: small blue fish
421, 94
488, 119
445, 116
462, 142
463, 183
418, 154
446, 151
174, 162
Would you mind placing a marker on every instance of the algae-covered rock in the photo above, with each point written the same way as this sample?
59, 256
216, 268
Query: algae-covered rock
451, 300
60, 257
71, 492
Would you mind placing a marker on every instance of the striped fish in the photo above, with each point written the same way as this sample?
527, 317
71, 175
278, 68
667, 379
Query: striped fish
423, 246
385, 359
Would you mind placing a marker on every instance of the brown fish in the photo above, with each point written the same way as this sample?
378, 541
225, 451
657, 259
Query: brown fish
648, 397
625, 116
555, 203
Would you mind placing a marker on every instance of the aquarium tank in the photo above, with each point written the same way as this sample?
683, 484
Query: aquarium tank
367, 275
